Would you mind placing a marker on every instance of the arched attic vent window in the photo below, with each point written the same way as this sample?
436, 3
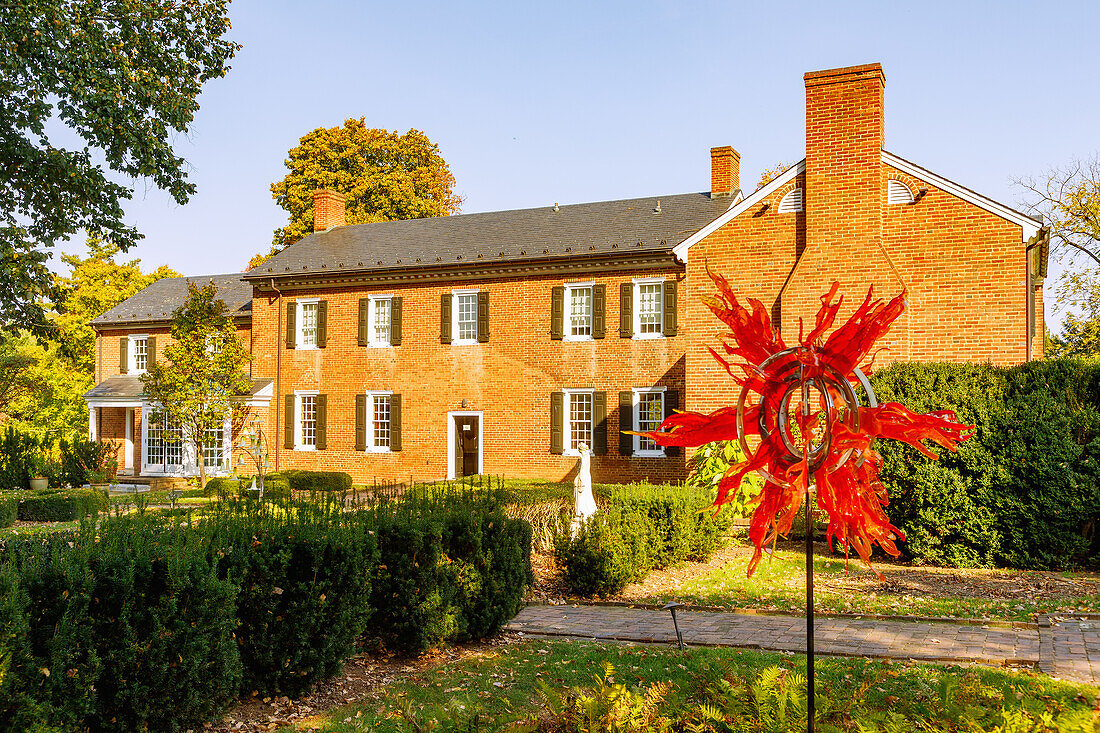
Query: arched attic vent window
898, 193
792, 202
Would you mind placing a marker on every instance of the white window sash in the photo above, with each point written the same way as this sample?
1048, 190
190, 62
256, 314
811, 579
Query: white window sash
659, 452
372, 320
299, 326
299, 438
567, 419
567, 306
456, 317
660, 300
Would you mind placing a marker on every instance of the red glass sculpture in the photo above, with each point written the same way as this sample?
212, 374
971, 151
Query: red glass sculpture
800, 405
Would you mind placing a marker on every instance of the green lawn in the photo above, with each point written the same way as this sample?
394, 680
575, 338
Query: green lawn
779, 585
504, 685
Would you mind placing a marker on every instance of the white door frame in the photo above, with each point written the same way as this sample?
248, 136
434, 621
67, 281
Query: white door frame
452, 428
128, 461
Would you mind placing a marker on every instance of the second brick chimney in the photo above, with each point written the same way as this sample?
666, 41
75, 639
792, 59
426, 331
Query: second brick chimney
844, 135
328, 209
725, 171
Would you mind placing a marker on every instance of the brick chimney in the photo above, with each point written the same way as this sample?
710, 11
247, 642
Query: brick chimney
725, 171
328, 209
844, 137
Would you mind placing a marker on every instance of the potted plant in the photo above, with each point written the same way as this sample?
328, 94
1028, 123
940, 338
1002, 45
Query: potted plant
37, 470
104, 473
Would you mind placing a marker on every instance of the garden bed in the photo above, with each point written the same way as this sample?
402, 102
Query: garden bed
779, 586
500, 683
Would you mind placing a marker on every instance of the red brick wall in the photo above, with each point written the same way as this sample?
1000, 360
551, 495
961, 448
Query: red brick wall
962, 267
510, 379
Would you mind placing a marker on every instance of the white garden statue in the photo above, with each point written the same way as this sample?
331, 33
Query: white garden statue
584, 504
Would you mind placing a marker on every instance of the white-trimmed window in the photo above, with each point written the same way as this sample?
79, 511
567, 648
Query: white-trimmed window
379, 319
578, 304
792, 202
379, 421
214, 454
307, 323
649, 413
649, 307
139, 353
578, 419
306, 420
464, 310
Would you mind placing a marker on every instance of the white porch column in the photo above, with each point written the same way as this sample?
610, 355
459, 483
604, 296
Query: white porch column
91, 423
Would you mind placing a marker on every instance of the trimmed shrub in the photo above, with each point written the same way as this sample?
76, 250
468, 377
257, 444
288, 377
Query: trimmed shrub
1024, 490
643, 527
133, 625
304, 592
222, 487
335, 481
451, 566
608, 552
9, 510
60, 505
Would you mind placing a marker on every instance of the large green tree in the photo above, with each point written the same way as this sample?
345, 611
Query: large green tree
96, 284
40, 392
200, 381
385, 176
1068, 198
91, 93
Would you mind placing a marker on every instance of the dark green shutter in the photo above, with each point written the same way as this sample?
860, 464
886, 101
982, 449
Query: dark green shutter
599, 423
483, 316
395, 422
291, 328
626, 310
557, 437
289, 427
360, 422
395, 321
150, 351
599, 311
557, 312
123, 357
626, 422
322, 323
672, 403
364, 329
322, 422
669, 324
445, 318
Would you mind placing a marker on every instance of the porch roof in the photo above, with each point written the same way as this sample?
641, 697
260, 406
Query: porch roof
127, 388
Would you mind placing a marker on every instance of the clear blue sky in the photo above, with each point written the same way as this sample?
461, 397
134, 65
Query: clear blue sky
533, 104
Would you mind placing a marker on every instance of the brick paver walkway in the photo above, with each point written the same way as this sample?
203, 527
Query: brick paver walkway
1067, 649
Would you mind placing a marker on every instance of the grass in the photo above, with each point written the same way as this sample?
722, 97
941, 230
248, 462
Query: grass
503, 684
779, 585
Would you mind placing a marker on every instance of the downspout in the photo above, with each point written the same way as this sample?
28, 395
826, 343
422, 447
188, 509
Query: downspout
1029, 288
278, 374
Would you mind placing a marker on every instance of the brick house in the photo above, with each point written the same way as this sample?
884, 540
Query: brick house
497, 342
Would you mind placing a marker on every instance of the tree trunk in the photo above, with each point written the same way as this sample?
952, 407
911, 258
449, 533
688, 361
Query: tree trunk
202, 462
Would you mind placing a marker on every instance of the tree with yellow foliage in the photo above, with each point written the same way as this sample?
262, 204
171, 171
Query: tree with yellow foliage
384, 175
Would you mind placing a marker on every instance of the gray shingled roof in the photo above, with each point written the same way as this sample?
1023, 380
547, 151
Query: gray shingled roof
128, 386
606, 227
159, 300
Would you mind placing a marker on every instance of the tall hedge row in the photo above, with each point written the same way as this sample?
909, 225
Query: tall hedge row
1024, 491
158, 623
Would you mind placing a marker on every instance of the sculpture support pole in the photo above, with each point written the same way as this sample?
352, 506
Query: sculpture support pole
809, 561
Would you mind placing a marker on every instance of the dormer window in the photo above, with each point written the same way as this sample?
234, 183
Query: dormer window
898, 193
792, 202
